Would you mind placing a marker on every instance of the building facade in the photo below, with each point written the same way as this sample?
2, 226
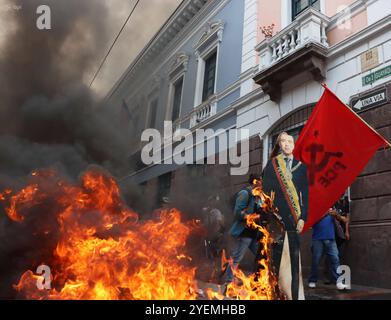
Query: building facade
189, 74
233, 64
346, 45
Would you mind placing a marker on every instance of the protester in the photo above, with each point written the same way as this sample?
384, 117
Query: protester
323, 242
244, 237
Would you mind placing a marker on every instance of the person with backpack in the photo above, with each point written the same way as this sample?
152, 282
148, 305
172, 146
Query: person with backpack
244, 237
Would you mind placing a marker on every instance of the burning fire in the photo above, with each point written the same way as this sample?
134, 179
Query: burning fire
263, 284
103, 250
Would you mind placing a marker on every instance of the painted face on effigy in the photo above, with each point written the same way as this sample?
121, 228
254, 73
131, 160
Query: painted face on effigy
287, 144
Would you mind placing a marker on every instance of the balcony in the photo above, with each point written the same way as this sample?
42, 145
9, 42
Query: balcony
204, 111
301, 46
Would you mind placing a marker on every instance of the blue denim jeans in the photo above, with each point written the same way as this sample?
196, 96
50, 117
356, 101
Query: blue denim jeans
238, 251
319, 247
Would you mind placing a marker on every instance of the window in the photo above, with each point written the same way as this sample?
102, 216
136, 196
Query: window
176, 73
177, 99
209, 76
207, 50
298, 6
152, 113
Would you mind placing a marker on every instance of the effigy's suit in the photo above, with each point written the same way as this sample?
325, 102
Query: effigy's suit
290, 185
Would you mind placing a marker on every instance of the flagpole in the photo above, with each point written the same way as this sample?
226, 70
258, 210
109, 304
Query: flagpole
362, 120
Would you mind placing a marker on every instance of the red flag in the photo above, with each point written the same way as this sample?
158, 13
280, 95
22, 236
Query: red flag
335, 144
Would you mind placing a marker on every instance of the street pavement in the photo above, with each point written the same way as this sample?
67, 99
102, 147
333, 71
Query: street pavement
357, 292
325, 292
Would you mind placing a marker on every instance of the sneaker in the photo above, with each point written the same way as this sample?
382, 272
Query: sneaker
341, 286
312, 285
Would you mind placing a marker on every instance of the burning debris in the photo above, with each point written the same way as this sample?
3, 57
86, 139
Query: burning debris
102, 251
50, 119
78, 224
260, 285
97, 248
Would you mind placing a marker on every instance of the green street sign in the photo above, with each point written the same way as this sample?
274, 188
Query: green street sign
377, 75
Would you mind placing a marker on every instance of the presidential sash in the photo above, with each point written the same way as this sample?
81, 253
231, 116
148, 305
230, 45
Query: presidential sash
284, 177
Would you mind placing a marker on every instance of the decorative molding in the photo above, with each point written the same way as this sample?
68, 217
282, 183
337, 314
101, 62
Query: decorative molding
300, 46
204, 111
213, 33
174, 26
310, 58
247, 75
208, 42
178, 70
210, 9
249, 98
179, 64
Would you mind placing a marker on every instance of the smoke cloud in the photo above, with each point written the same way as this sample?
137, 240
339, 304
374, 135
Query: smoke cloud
48, 117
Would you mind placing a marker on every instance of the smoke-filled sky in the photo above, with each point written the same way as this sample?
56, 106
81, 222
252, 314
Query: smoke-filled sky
146, 20
149, 16
49, 118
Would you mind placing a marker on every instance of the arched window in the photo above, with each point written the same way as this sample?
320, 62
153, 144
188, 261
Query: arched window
293, 124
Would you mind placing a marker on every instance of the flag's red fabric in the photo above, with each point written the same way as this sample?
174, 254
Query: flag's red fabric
335, 144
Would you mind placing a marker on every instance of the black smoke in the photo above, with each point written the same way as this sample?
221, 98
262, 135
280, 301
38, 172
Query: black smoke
49, 117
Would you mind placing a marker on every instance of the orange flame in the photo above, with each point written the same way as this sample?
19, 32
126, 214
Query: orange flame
263, 284
104, 251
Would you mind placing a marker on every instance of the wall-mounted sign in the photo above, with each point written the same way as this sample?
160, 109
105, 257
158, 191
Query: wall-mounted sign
369, 59
370, 100
377, 75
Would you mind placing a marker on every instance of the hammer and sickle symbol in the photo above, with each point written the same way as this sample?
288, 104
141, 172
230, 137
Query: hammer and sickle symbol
314, 167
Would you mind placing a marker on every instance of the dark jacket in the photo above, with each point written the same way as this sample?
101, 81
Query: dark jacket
299, 179
244, 201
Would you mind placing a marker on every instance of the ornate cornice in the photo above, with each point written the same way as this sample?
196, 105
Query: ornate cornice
213, 32
140, 66
180, 18
179, 63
